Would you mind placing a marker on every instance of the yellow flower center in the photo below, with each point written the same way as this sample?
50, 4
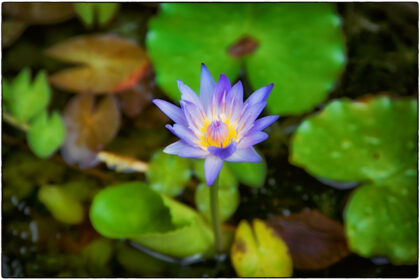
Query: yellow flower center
218, 133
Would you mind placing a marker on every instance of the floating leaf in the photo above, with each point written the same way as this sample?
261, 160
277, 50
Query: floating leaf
46, 134
226, 177
372, 141
103, 12
89, 128
259, 252
39, 13
250, 173
11, 30
135, 211
383, 221
314, 240
97, 252
62, 205
168, 174
184, 35
25, 100
228, 196
109, 64
127, 210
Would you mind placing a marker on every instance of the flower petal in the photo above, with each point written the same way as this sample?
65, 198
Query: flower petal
248, 117
262, 123
237, 92
206, 85
182, 149
223, 153
173, 112
260, 95
183, 133
188, 94
245, 155
212, 167
252, 139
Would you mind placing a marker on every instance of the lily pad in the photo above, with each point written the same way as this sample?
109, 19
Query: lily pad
39, 13
302, 64
373, 142
228, 196
168, 174
383, 221
260, 252
24, 99
89, 127
109, 64
251, 174
11, 30
46, 134
102, 12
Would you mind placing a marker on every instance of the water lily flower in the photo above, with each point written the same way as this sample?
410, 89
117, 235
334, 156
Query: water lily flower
217, 125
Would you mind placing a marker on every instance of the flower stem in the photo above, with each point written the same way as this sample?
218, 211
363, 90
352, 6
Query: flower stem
14, 122
214, 200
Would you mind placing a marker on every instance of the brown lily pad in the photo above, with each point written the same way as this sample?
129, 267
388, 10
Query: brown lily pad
89, 127
314, 240
39, 13
11, 30
109, 64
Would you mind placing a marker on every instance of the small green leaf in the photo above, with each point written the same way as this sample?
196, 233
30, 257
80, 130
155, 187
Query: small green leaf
168, 174
250, 173
260, 252
129, 209
382, 221
98, 252
46, 135
303, 64
228, 200
103, 12
62, 205
26, 100
226, 177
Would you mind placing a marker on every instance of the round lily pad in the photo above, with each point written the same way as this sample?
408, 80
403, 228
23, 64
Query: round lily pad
297, 46
168, 174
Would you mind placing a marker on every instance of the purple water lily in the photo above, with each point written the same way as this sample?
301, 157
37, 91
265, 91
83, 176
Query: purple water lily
217, 125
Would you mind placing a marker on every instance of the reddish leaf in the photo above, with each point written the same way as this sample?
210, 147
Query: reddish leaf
89, 128
314, 240
39, 13
109, 64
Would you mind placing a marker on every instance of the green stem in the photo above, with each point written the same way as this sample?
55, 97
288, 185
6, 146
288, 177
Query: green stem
14, 122
214, 200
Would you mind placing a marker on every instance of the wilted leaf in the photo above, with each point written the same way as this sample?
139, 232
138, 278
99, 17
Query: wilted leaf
89, 128
259, 252
168, 174
46, 134
39, 13
62, 205
11, 30
297, 46
121, 163
103, 12
25, 100
314, 240
109, 64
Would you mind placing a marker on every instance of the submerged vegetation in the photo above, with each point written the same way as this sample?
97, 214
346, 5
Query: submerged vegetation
89, 192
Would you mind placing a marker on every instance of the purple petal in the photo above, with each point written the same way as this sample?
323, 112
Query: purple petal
182, 149
212, 167
252, 139
222, 87
223, 153
188, 94
183, 133
245, 155
194, 116
172, 111
237, 92
260, 95
262, 123
248, 117
206, 85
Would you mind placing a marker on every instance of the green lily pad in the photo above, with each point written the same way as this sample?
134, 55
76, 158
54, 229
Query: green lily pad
260, 252
228, 200
46, 134
25, 100
168, 174
103, 12
127, 210
135, 211
302, 64
359, 141
251, 174
374, 141
62, 205
98, 252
